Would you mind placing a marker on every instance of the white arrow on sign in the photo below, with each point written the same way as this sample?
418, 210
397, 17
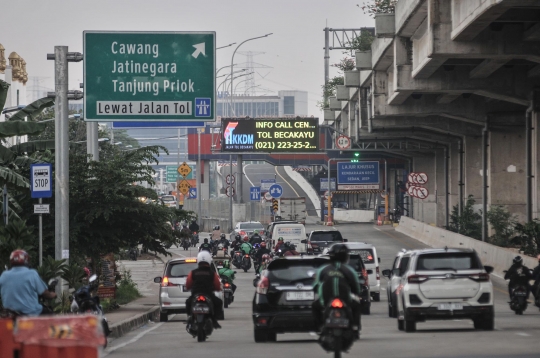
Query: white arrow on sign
199, 48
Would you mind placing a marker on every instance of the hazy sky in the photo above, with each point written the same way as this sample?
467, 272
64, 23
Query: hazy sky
295, 50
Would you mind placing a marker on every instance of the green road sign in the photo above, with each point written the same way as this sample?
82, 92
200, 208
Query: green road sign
145, 76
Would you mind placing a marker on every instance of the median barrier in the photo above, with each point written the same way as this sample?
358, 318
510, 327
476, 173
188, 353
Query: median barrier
8, 345
358, 216
498, 257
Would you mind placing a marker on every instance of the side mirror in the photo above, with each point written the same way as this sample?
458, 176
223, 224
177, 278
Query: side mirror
396, 272
379, 259
345, 240
369, 272
489, 269
157, 279
386, 273
92, 278
303, 241
307, 235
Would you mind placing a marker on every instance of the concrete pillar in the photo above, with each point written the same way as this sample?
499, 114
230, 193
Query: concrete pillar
205, 186
473, 167
536, 163
425, 210
439, 188
453, 175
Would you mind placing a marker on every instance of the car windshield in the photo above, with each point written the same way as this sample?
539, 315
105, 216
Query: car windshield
367, 255
294, 271
167, 198
448, 261
326, 236
182, 269
249, 226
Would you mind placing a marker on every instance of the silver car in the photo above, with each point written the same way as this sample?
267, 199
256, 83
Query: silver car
394, 280
172, 290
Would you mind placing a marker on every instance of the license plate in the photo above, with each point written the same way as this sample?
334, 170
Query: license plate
300, 296
337, 322
201, 309
219, 267
450, 306
520, 293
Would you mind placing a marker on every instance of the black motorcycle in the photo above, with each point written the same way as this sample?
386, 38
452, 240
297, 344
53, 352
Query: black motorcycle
82, 302
194, 239
200, 323
228, 294
237, 259
337, 334
518, 299
246, 262
185, 244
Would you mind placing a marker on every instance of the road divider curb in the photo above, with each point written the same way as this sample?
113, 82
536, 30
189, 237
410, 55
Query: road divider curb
124, 327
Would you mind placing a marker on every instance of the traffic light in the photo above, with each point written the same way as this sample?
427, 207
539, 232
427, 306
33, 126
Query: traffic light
356, 157
275, 205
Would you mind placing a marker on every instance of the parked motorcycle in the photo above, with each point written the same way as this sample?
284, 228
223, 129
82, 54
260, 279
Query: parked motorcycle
84, 302
337, 334
246, 263
200, 321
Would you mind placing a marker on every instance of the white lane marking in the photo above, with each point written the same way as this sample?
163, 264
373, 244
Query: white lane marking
244, 170
133, 340
523, 334
298, 195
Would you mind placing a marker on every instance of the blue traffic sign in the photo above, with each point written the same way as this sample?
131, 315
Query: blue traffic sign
41, 180
192, 194
255, 193
275, 191
361, 175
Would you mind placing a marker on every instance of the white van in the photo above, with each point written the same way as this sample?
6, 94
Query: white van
294, 233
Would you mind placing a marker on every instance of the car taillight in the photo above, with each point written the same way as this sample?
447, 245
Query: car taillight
242, 233
417, 278
336, 303
166, 282
479, 277
262, 286
377, 273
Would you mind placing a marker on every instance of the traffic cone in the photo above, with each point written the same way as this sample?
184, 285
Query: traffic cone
379, 220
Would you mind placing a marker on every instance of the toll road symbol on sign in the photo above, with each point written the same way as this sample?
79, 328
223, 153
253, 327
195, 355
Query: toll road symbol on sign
41, 180
255, 193
276, 191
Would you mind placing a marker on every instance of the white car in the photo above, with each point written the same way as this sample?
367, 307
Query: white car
247, 228
445, 284
394, 279
169, 201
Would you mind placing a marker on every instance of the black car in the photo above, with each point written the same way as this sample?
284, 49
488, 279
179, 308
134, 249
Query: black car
283, 297
318, 240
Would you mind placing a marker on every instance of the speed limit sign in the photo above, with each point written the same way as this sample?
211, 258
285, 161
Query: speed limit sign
343, 142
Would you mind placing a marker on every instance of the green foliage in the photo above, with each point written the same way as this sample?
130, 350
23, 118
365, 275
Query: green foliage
362, 42
469, 223
16, 235
126, 290
51, 268
74, 274
503, 224
34, 109
375, 7
528, 237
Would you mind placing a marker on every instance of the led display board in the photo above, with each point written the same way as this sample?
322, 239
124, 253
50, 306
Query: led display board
270, 135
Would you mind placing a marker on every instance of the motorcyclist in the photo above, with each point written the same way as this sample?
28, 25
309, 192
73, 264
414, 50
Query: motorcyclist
246, 246
20, 287
337, 280
278, 245
204, 281
194, 227
262, 251
205, 246
223, 241
265, 260
289, 249
220, 252
518, 274
235, 246
255, 238
227, 272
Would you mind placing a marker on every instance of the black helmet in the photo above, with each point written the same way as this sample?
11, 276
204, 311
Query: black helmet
238, 237
518, 260
222, 236
339, 252
205, 240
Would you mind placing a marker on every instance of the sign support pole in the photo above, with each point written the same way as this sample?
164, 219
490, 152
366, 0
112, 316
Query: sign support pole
239, 170
177, 177
40, 201
199, 174
230, 197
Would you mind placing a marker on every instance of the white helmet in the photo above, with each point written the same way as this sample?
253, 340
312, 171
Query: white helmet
204, 256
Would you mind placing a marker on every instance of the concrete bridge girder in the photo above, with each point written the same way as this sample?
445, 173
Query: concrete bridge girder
441, 125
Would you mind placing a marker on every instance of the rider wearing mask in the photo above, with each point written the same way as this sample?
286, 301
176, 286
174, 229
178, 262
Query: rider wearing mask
21, 286
227, 272
205, 246
337, 280
518, 274
255, 238
204, 281
278, 245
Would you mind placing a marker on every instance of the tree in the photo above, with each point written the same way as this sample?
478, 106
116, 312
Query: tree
375, 7
468, 223
503, 224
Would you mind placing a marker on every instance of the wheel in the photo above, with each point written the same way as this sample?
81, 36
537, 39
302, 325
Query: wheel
366, 310
400, 325
201, 336
377, 297
260, 335
487, 323
163, 317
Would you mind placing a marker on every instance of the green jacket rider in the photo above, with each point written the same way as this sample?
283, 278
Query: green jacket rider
226, 271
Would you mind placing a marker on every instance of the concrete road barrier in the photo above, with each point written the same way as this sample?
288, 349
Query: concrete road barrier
498, 257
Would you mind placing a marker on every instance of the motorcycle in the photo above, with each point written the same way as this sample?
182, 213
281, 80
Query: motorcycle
185, 244
83, 302
228, 294
200, 321
246, 263
337, 334
194, 239
237, 259
518, 299
133, 254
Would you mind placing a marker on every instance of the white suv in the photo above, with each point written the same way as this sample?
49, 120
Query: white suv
445, 284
